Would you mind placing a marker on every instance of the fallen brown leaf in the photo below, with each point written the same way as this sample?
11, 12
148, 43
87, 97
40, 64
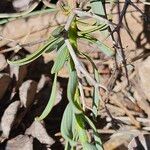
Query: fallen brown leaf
27, 92
20, 142
37, 130
9, 117
3, 63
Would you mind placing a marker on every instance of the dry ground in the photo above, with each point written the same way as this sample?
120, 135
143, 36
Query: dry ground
24, 91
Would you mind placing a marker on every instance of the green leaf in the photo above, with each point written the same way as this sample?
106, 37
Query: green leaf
89, 59
81, 129
68, 146
57, 31
93, 29
71, 91
96, 95
50, 102
60, 59
72, 34
96, 101
68, 125
37, 53
102, 47
55, 46
98, 9
88, 146
97, 139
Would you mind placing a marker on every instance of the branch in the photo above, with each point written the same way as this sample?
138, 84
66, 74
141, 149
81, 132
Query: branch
81, 68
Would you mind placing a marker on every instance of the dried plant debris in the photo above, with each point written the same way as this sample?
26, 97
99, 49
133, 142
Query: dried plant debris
3, 62
29, 32
117, 141
41, 83
19, 73
14, 71
124, 113
27, 92
144, 75
37, 130
140, 142
20, 142
8, 118
21, 5
59, 95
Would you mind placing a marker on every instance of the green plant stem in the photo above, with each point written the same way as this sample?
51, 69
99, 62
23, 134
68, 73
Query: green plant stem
81, 68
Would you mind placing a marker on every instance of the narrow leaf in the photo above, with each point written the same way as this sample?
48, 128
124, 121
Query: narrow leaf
68, 146
93, 29
71, 91
36, 54
57, 31
97, 139
81, 129
96, 101
67, 124
96, 95
98, 9
60, 59
102, 47
50, 102
88, 146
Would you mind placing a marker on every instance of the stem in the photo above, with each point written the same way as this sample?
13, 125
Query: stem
82, 96
69, 21
81, 68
